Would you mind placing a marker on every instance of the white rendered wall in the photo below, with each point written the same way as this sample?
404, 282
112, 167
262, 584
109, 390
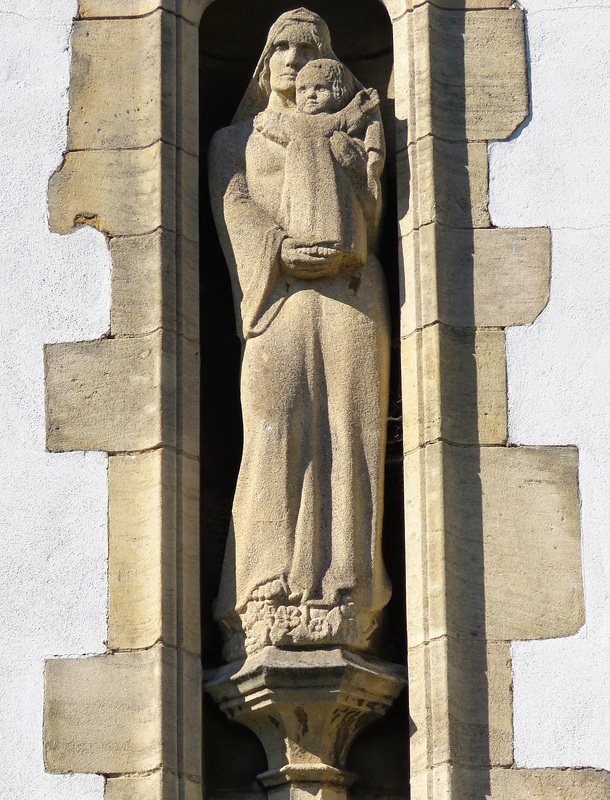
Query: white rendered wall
53, 507
556, 172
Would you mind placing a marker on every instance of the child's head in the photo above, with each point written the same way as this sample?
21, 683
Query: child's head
323, 85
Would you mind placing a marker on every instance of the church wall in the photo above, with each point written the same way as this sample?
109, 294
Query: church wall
54, 507
554, 172
53, 598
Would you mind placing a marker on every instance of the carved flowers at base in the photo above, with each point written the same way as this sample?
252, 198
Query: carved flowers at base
273, 617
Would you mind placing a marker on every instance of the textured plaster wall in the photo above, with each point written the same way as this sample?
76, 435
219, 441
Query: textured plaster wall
556, 172
53, 508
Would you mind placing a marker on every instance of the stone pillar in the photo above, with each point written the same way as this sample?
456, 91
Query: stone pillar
306, 707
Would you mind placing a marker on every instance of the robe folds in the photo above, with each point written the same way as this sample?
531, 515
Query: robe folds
303, 564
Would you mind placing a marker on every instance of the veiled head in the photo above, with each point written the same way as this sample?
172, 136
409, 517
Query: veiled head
295, 38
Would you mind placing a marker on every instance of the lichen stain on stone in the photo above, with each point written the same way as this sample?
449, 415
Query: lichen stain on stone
301, 716
354, 283
89, 219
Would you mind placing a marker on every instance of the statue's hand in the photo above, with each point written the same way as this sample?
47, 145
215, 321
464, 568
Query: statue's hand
309, 261
368, 101
359, 112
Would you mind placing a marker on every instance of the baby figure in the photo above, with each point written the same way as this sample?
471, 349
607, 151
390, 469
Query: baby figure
325, 86
325, 174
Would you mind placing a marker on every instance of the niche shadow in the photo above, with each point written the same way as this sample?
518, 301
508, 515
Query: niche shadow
232, 35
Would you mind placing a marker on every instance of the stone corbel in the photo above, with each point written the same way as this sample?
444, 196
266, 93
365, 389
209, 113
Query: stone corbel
306, 707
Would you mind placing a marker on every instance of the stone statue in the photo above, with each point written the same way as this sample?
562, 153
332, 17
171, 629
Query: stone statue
295, 189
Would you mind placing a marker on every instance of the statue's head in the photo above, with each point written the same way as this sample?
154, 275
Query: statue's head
296, 37
323, 85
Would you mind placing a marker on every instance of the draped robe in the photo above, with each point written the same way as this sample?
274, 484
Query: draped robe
303, 564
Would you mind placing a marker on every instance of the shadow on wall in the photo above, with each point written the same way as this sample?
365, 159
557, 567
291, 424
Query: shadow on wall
232, 34
467, 650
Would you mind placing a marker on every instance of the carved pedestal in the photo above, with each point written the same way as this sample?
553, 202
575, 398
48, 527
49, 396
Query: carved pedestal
306, 707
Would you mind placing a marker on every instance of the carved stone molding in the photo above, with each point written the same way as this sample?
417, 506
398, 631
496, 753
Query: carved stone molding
306, 707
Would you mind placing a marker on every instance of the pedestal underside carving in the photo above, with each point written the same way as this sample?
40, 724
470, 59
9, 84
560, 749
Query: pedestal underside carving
306, 707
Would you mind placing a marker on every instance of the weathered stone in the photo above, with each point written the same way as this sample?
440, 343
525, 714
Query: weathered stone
425, 581
421, 687
500, 555
190, 10
147, 544
466, 5
119, 713
121, 8
396, 8
120, 192
449, 185
303, 565
471, 73
403, 55
497, 688
421, 109
523, 784
192, 790
186, 410
460, 701
116, 95
531, 525
158, 786
187, 206
139, 559
406, 173
187, 717
141, 275
306, 707
485, 278
188, 527
119, 395
104, 714
105, 395
421, 787
549, 784
188, 77
144, 286
465, 78
188, 306
454, 388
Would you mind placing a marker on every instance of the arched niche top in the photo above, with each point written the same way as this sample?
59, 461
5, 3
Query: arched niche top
195, 8
347, 19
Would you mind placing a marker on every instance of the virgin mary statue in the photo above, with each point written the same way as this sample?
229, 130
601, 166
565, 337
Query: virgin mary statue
303, 566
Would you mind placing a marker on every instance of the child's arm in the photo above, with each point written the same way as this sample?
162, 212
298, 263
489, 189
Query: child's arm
358, 111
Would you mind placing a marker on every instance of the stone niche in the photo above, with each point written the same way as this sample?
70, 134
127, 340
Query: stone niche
232, 34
